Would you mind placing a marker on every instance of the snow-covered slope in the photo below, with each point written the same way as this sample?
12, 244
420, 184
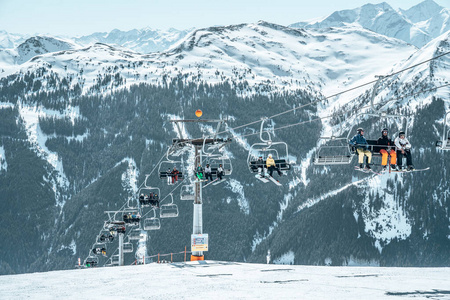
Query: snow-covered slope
418, 25
254, 54
229, 280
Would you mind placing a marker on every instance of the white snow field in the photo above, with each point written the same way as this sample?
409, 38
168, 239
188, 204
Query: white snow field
230, 280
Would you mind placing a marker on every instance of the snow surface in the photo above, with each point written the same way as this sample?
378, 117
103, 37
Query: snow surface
230, 280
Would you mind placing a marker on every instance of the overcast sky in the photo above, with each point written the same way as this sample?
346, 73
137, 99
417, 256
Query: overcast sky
83, 17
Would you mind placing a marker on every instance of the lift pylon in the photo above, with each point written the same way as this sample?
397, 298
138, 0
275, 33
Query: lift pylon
199, 144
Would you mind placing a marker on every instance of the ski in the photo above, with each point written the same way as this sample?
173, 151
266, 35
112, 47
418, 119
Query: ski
219, 181
210, 182
274, 180
262, 178
406, 171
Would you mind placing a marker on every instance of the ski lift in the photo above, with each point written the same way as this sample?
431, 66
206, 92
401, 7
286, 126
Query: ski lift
334, 151
115, 260
131, 218
149, 196
263, 149
127, 247
169, 172
169, 210
91, 261
99, 249
115, 227
187, 192
152, 223
105, 236
135, 234
215, 161
444, 144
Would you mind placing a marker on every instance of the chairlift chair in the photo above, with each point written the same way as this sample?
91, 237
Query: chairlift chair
333, 151
187, 192
115, 260
131, 217
266, 147
169, 210
99, 249
127, 247
215, 160
148, 196
444, 144
91, 261
165, 170
105, 237
152, 223
135, 234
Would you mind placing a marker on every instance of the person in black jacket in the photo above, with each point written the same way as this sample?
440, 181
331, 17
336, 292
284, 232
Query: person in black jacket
386, 148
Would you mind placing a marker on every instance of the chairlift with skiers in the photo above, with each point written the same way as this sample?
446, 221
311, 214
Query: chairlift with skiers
259, 153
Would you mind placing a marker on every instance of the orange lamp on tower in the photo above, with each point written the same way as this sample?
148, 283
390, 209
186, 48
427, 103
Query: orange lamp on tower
198, 113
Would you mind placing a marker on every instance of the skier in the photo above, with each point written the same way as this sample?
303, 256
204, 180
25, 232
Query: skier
169, 176
260, 165
199, 172
220, 172
174, 173
271, 166
403, 149
361, 148
385, 142
208, 172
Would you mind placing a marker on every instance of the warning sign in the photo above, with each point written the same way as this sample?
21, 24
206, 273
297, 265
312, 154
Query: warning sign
199, 242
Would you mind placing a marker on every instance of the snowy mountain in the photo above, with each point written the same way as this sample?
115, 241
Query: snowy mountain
31, 47
145, 40
253, 54
80, 128
417, 25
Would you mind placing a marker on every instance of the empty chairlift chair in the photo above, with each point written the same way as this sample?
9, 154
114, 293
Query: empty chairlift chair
115, 260
187, 192
135, 234
152, 223
169, 210
127, 247
334, 151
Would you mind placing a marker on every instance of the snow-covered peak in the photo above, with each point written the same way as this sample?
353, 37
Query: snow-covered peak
40, 45
418, 25
423, 11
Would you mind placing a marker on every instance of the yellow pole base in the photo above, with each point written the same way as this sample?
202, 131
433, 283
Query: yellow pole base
195, 258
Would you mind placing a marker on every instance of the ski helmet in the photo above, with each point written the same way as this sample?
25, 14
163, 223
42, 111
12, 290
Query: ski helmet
359, 130
384, 130
401, 133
